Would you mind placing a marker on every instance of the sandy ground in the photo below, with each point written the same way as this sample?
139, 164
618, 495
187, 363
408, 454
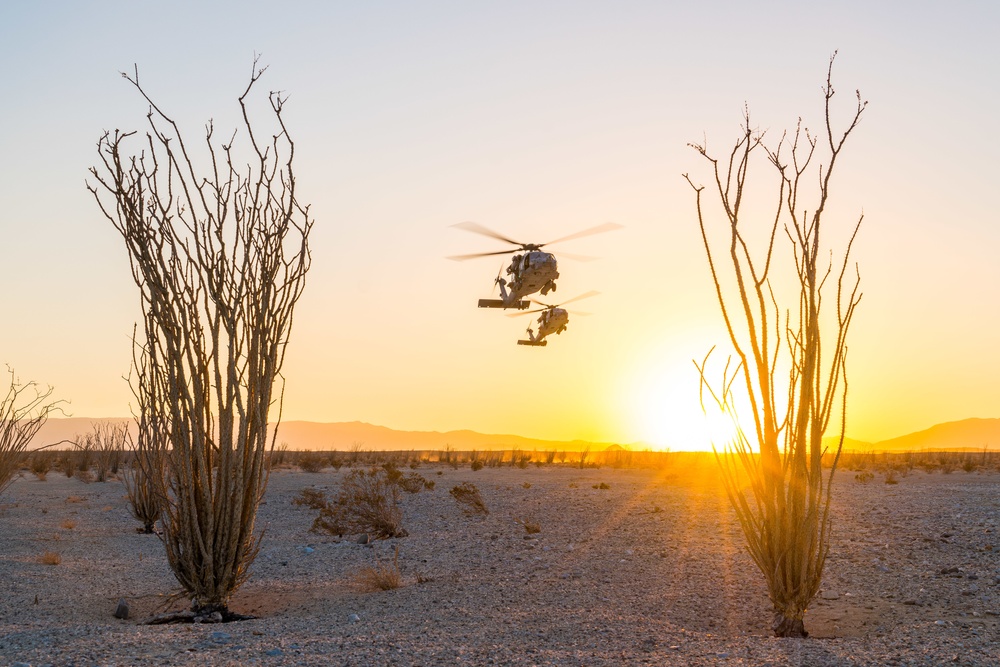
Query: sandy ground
650, 571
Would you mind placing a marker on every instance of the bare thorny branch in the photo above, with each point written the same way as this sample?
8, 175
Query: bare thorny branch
220, 261
787, 526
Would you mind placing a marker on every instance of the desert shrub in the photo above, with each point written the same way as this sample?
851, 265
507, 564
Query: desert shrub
143, 483
864, 476
68, 524
278, 456
66, 464
469, 497
526, 485
603, 486
50, 558
392, 474
414, 483
84, 475
550, 457
367, 503
968, 465
530, 527
41, 464
476, 465
311, 461
381, 577
104, 445
890, 476
24, 409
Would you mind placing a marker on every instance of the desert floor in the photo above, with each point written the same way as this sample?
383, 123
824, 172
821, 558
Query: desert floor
649, 571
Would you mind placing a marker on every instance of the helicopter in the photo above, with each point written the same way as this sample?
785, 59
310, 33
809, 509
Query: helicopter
531, 269
553, 320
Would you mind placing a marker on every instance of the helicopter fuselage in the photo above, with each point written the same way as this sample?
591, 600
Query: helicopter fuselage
533, 271
551, 321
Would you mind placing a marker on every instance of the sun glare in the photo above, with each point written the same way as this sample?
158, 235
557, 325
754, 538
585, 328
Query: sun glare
667, 414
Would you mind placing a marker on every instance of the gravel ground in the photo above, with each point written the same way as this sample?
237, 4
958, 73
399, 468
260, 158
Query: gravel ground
649, 571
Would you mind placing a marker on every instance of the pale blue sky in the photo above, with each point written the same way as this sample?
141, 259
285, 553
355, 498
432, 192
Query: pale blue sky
536, 119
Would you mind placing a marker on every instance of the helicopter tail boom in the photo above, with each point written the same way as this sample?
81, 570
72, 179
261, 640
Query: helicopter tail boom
500, 303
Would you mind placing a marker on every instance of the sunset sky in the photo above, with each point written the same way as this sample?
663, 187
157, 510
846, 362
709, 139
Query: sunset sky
536, 119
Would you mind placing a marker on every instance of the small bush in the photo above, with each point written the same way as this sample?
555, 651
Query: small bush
603, 486
50, 558
890, 477
41, 464
530, 527
68, 524
526, 485
469, 497
864, 476
311, 462
413, 483
381, 577
367, 503
477, 465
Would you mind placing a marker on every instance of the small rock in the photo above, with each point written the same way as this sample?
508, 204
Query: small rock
829, 595
911, 602
220, 637
353, 618
121, 611
21, 664
274, 652
939, 623
307, 550
364, 539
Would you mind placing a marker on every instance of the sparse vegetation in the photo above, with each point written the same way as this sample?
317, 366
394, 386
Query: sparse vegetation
50, 558
530, 527
144, 480
381, 576
311, 461
469, 498
24, 409
367, 503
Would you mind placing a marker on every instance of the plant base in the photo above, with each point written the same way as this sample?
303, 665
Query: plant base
201, 615
788, 627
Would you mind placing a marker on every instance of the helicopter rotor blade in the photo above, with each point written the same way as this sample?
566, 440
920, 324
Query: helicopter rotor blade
462, 258
578, 258
582, 296
526, 312
599, 229
476, 228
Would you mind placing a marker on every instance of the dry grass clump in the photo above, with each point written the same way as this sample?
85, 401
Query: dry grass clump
381, 576
530, 527
476, 465
864, 476
50, 558
367, 503
68, 524
469, 497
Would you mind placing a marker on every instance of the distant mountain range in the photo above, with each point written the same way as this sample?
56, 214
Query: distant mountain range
965, 434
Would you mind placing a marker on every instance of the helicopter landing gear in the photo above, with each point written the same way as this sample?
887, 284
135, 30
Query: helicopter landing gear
533, 343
